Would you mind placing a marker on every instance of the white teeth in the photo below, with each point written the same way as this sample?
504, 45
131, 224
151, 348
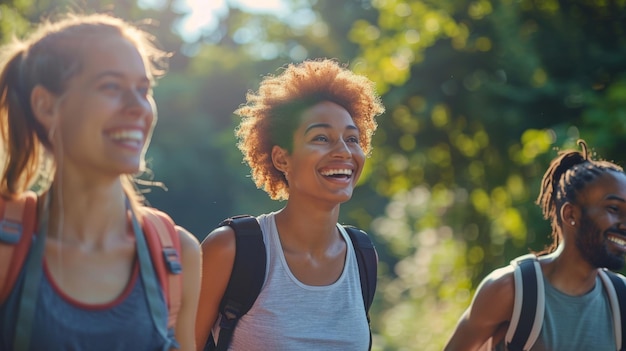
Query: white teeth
131, 134
332, 172
617, 240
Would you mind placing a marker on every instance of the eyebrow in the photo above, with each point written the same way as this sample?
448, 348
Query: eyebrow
326, 126
116, 74
615, 197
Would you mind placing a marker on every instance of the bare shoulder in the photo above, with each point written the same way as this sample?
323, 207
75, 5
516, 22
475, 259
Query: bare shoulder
501, 278
218, 257
498, 286
188, 241
221, 241
493, 302
191, 262
489, 313
220, 238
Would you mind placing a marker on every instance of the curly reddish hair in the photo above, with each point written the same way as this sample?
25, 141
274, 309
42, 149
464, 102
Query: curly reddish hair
272, 114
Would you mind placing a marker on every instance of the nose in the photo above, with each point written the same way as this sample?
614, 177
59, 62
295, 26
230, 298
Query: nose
137, 104
341, 149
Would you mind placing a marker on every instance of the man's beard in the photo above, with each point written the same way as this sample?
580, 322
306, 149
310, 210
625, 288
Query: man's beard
592, 244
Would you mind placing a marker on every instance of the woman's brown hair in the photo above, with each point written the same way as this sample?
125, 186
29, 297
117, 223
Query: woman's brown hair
49, 57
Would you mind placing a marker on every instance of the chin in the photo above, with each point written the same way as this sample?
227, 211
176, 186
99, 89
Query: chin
344, 198
129, 169
129, 165
616, 263
609, 261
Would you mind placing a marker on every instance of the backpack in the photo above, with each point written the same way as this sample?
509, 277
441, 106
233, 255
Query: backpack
529, 304
162, 243
248, 274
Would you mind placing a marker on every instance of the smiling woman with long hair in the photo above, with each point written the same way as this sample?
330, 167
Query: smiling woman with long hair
76, 117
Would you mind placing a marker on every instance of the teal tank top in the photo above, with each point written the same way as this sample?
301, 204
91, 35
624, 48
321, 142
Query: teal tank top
576, 323
62, 324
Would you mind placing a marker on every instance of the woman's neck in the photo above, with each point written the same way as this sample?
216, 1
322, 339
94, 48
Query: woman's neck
308, 225
86, 213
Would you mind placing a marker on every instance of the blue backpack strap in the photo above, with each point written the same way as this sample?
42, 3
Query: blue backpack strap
616, 291
153, 289
529, 304
246, 279
367, 260
32, 279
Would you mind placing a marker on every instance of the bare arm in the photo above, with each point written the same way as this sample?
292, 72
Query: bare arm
488, 315
218, 251
191, 262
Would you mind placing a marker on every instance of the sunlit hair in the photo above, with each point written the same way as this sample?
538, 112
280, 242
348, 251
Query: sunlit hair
49, 57
271, 115
568, 174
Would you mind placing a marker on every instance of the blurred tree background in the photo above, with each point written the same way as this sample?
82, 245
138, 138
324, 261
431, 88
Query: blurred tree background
480, 95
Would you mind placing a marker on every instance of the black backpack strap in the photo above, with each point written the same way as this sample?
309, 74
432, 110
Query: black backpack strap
616, 291
529, 304
246, 279
367, 260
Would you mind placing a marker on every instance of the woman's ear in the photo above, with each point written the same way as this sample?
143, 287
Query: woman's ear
280, 158
43, 102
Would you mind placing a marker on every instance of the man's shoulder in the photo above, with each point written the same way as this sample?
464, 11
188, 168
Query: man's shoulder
500, 281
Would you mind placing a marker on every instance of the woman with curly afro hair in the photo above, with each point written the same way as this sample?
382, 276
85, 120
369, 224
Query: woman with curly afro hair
305, 135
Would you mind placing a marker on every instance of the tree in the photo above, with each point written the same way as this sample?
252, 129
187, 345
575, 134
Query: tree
479, 93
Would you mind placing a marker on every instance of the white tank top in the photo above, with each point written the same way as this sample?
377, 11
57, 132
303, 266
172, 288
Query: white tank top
292, 316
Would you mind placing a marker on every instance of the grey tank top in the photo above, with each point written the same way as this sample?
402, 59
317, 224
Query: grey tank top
576, 323
291, 316
61, 323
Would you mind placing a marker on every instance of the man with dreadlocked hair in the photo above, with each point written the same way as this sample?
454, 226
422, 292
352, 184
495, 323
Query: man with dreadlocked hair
574, 293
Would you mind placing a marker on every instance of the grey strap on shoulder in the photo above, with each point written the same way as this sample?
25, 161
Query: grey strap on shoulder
615, 287
32, 280
151, 284
528, 306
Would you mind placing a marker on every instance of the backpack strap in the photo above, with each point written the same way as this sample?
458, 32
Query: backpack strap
158, 245
246, 278
367, 260
164, 244
248, 274
616, 291
33, 271
529, 304
18, 219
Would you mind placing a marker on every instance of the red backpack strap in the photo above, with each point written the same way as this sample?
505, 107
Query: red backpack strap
17, 224
164, 245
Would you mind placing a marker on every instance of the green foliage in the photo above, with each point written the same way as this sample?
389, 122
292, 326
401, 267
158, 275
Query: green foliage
12, 22
479, 94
